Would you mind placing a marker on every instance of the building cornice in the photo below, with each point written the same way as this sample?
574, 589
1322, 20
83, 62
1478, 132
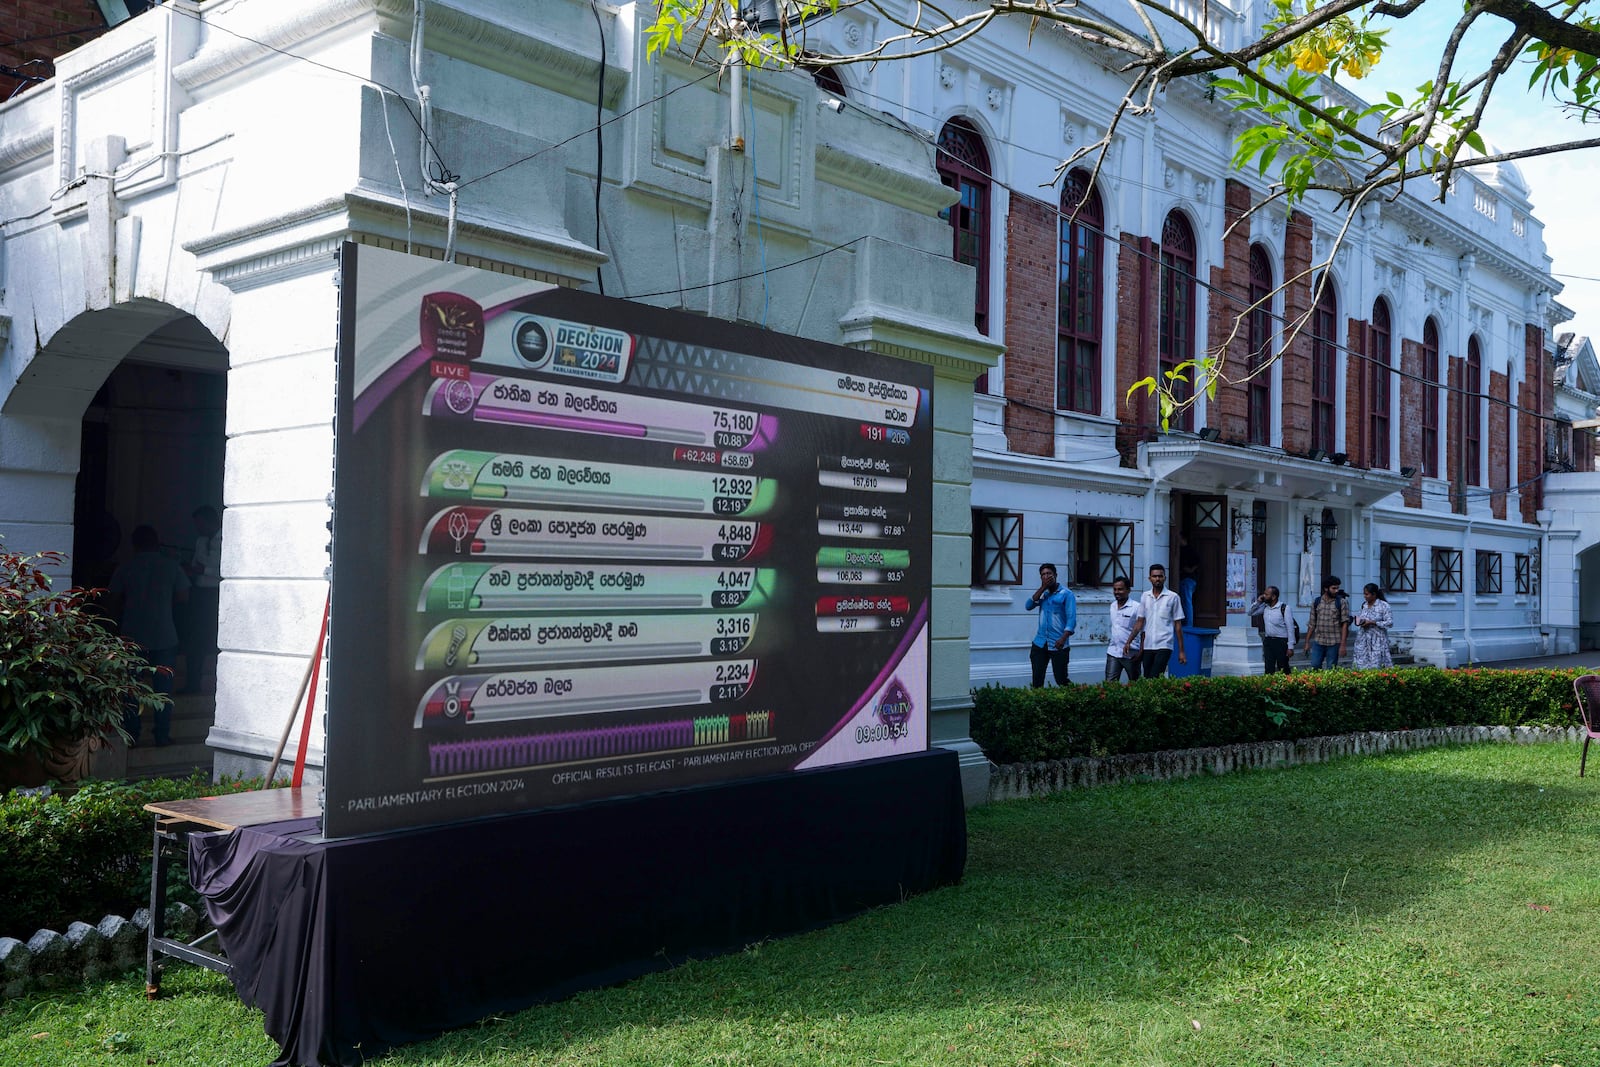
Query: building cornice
1450, 521
26, 147
543, 55
1018, 468
897, 331
1191, 462
1434, 222
240, 31
303, 241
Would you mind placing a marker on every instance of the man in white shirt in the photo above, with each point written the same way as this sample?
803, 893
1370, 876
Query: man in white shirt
1162, 625
1277, 630
1122, 653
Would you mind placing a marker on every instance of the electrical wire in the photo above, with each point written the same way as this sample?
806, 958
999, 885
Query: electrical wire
405, 197
755, 188
744, 277
211, 23
599, 140
618, 117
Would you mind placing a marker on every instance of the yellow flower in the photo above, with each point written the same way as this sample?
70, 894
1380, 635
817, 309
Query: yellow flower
1310, 60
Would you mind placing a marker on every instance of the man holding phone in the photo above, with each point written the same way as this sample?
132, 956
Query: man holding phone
1058, 617
1277, 633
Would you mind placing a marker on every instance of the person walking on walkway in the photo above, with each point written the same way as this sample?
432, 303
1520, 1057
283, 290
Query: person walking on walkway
1161, 628
1330, 626
1122, 651
1277, 631
1372, 630
1058, 617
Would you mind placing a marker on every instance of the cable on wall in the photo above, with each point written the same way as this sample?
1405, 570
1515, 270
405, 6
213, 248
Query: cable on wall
599, 140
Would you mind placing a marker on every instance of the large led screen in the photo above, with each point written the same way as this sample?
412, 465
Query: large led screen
586, 548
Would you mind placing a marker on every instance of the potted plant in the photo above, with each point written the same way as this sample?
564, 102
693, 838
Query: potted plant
64, 677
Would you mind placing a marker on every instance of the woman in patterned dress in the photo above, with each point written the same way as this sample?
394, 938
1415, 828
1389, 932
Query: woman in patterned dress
1372, 636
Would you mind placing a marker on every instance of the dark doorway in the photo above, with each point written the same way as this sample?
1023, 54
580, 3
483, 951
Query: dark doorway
151, 452
1202, 555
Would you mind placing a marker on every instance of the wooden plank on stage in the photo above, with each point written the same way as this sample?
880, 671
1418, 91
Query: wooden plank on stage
233, 810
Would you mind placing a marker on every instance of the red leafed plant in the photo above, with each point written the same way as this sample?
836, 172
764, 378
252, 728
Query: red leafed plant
64, 676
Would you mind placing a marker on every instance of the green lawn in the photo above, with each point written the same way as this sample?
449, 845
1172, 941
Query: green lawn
1436, 908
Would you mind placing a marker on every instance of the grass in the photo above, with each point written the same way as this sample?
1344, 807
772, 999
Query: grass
1433, 908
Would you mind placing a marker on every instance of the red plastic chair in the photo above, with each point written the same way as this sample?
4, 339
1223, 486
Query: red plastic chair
1587, 688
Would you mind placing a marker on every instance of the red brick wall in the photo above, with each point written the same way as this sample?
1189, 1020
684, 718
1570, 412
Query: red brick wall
35, 32
1227, 334
1297, 359
1355, 392
1136, 343
1531, 394
1410, 389
1031, 261
1455, 377
1499, 442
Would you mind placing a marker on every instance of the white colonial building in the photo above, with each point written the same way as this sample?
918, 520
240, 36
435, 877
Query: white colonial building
172, 199
1401, 438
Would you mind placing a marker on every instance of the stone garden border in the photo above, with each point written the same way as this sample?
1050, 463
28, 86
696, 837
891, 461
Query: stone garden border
50, 960
1013, 780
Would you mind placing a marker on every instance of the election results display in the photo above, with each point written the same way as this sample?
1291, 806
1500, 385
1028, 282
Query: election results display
586, 548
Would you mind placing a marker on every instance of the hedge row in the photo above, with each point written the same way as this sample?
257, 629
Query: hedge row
1018, 725
66, 857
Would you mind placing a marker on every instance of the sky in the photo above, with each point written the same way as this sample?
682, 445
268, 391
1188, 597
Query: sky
1562, 186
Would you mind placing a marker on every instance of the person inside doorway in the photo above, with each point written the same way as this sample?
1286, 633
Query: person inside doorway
205, 571
1188, 575
1330, 626
1277, 630
144, 592
1122, 651
1058, 617
1161, 628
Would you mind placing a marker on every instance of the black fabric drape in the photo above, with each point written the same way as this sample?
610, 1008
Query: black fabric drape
350, 947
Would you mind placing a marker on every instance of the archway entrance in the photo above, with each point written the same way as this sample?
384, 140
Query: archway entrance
151, 454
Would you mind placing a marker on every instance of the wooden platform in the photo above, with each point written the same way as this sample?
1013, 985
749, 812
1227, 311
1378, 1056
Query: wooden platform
233, 810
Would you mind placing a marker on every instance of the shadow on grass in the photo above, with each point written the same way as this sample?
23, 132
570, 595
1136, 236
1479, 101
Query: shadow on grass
1128, 892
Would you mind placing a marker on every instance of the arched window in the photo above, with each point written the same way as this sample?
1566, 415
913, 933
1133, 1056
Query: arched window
1177, 309
1324, 365
1430, 398
827, 79
964, 166
1472, 414
1079, 301
1259, 324
1378, 371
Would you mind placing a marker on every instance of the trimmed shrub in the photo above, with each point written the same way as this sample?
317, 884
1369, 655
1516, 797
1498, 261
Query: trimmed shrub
1021, 725
84, 855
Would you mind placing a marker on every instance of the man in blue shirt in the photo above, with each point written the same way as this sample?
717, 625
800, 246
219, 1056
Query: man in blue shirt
1058, 617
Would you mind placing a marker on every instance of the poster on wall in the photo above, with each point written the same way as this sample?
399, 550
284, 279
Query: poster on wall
586, 548
1241, 567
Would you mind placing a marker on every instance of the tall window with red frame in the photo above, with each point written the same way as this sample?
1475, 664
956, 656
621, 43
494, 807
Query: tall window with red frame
1324, 365
1178, 310
1430, 398
1472, 414
1078, 306
964, 167
1378, 370
1259, 364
